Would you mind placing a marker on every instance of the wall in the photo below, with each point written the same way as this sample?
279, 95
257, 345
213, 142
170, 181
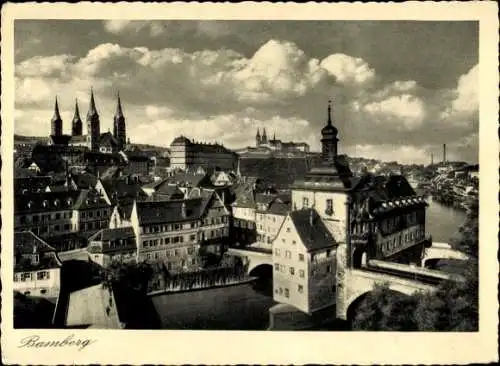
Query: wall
286, 256
35, 286
335, 222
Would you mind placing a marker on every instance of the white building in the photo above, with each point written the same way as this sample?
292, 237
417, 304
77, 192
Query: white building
37, 269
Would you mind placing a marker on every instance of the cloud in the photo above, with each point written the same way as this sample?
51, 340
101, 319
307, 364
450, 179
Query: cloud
467, 99
224, 95
404, 109
390, 152
348, 70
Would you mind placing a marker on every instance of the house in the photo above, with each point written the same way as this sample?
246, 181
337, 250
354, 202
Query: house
168, 231
214, 221
110, 245
37, 269
304, 262
271, 209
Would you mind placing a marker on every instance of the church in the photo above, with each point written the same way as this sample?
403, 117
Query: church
278, 145
94, 140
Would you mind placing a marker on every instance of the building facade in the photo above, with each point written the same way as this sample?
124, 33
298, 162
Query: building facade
37, 269
112, 245
187, 155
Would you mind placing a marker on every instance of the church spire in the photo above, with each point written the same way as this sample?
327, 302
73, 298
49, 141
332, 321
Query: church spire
92, 109
77, 111
77, 126
56, 121
119, 128
329, 112
119, 112
257, 138
56, 116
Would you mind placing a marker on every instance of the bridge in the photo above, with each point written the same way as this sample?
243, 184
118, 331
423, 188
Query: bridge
253, 257
359, 282
441, 251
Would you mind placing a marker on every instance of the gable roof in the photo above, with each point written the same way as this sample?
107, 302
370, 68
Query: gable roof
311, 229
168, 211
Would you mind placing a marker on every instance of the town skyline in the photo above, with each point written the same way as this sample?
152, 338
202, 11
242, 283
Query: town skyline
213, 81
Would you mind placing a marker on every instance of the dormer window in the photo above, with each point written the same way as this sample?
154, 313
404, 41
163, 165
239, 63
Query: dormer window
30, 204
45, 203
56, 203
69, 201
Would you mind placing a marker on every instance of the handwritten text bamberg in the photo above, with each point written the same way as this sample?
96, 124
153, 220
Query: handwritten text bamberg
34, 341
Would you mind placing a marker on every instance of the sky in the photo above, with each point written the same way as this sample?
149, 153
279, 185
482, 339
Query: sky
399, 89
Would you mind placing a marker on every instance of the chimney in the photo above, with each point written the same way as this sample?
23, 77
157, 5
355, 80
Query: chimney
444, 153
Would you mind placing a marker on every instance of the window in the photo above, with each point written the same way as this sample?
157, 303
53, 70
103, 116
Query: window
305, 202
301, 289
329, 207
277, 252
301, 257
292, 271
276, 267
43, 275
190, 250
294, 242
301, 273
328, 269
26, 276
287, 292
287, 229
288, 254
43, 291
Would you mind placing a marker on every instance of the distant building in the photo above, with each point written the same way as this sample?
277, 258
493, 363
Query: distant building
94, 140
37, 269
186, 154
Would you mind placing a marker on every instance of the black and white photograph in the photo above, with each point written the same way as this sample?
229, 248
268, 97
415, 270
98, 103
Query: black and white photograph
267, 176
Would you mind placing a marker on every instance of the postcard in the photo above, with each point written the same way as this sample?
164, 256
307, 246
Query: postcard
249, 183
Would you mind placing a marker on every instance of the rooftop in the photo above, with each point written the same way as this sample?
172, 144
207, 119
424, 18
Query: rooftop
312, 230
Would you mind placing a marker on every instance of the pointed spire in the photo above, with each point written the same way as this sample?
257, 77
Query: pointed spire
57, 116
258, 132
274, 136
119, 112
264, 133
77, 111
329, 112
92, 109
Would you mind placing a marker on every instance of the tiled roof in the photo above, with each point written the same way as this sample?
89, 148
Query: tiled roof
25, 244
85, 180
108, 238
88, 199
31, 183
279, 208
108, 139
45, 201
117, 189
311, 229
168, 211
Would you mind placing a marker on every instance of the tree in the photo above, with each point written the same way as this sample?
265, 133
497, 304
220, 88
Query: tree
135, 276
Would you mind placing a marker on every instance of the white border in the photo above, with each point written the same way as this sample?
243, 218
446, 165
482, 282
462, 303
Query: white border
217, 347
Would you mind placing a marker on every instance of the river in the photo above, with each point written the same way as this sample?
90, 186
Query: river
245, 307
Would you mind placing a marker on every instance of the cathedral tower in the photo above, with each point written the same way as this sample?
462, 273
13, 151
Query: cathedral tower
77, 125
264, 137
329, 138
119, 130
56, 122
93, 125
257, 138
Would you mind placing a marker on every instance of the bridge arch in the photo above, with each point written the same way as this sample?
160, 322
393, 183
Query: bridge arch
264, 270
361, 282
354, 306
